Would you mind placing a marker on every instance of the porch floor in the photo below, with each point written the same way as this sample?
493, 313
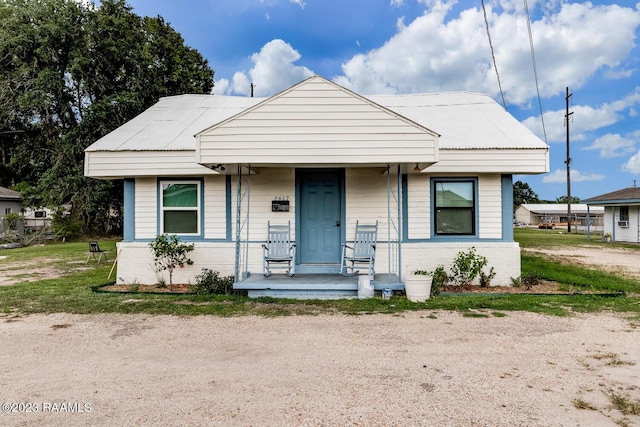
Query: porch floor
321, 286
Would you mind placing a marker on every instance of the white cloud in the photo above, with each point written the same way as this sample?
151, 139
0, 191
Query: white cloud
560, 176
273, 71
633, 164
585, 118
221, 87
300, 3
612, 145
437, 52
618, 74
397, 3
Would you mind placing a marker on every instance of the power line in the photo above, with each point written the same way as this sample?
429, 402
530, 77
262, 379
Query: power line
535, 72
495, 66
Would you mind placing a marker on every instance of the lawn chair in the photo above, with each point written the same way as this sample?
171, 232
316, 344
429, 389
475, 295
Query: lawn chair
279, 249
95, 251
362, 251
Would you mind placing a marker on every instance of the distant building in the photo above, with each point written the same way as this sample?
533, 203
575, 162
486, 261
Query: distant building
545, 213
10, 202
621, 213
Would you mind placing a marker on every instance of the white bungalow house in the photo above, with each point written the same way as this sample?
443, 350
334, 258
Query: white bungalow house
621, 213
434, 170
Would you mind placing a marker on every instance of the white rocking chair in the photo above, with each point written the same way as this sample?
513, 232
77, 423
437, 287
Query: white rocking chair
279, 249
362, 251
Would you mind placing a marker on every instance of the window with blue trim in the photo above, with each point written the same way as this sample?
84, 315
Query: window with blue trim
180, 207
454, 207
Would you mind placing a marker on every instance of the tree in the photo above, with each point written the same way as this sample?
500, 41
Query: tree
522, 194
70, 73
170, 253
563, 199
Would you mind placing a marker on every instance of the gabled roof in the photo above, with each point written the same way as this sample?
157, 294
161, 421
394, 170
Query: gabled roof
317, 122
464, 120
6, 194
626, 195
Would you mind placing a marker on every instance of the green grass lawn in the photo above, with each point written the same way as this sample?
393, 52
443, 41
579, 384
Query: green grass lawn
71, 292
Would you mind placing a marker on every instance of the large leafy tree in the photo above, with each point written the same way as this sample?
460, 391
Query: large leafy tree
69, 74
522, 193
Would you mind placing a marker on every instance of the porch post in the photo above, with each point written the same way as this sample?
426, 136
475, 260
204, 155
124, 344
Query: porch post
400, 225
396, 221
236, 269
242, 256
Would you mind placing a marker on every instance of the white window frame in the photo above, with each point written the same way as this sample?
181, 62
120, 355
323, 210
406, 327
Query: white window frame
197, 208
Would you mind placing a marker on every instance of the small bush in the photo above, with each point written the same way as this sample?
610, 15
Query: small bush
467, 266
530, 280
210, 282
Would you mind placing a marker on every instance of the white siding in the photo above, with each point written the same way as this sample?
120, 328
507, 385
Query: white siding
491, 161
265, 186
419, 207
316, 123
490, 206
120, 164
367, 201
215, 207
622, 234
146, 208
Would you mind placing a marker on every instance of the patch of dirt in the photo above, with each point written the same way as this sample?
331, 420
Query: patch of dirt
14, 272
175, 289
625, 262
545, 287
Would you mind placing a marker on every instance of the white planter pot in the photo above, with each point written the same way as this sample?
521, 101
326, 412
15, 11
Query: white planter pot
418, 287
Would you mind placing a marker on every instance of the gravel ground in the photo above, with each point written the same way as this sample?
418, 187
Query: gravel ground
415, 369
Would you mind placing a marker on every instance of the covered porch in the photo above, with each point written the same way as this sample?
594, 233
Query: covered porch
322, 159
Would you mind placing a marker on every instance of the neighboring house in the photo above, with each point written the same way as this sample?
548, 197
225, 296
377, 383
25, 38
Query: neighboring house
39, 218
621, 213
435, 171
537, 213
10, 202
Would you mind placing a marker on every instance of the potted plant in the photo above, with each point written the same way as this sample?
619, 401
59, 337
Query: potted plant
417, 285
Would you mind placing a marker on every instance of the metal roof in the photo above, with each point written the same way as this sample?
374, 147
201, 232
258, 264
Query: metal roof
172, 122
465, 120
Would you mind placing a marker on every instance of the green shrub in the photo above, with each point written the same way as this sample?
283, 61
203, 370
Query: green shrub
210, 282
10, 221
467, 266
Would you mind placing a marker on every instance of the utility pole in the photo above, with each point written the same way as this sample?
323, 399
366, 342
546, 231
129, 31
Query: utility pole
568, 162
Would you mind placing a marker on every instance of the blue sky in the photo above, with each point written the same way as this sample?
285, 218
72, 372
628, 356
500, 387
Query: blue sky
410, 46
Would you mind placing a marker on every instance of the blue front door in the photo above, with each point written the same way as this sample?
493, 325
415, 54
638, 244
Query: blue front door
320, 220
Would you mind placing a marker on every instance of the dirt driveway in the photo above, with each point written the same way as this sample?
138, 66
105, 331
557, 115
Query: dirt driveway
426, 368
